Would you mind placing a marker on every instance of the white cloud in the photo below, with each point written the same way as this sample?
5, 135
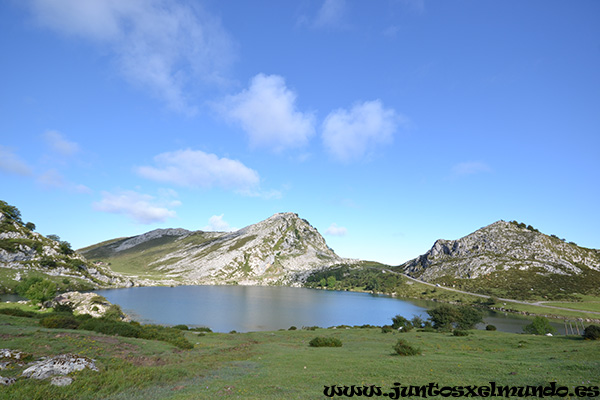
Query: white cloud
216, 223
59, 144
267, 112
162, 45
12, 164
470, 168
142, 208
197, 169
335, 230
350, 135
331, 14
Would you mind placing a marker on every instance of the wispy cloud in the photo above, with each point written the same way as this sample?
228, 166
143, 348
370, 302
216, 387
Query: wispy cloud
332, 14
469, 168
164, 46
59, 144
197, 169
335, 230
267, 112
141, 208
53, 179
11, 163
216, 223
350, 135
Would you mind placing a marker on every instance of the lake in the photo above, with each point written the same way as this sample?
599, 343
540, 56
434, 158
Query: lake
264, 308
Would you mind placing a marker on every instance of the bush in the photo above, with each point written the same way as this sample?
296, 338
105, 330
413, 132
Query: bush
592, 332
310, 328
114, 312
446, 317
539, 326
387, 329
17, 312
458, 332
41, 291
181, 327
202, 329
490, 327
59, 322
292, 328
401, 324
404, 349
320, 341
63, 308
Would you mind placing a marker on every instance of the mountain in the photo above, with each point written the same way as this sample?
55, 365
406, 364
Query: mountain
510, 259
25, 253
277, 250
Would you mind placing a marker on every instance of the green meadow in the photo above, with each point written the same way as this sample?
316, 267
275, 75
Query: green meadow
282, 365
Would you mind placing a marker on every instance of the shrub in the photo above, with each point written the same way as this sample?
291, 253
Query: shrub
292, 328
202, 329
63, 308
387, 329
490, 327
592, 332
320, 341
114, 312
17, 312
310, 328
24, 286
446, 317
401, 324
404, 349
459, 332
181, 327
41, 291
59, 322
539, 326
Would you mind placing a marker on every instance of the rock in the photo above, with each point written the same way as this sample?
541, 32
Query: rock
60, 365
82, 303
7, 381
61, 381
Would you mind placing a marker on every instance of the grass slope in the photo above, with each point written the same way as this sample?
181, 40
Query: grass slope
280, 364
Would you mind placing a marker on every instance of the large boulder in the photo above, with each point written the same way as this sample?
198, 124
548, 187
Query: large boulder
60, 365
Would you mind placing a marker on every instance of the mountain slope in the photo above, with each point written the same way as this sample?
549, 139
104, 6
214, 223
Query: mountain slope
24, 252
510, 259
274, 251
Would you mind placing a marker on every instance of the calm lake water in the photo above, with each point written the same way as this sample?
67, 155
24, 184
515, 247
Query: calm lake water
263, 308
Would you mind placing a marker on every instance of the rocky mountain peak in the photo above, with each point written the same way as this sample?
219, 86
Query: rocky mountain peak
502, 246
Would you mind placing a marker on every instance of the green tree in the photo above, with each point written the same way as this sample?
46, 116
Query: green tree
467, 317
331, 281
323, 282
401, 323
539, 326
41, 291
56, 238
442, 317
30, 226
65, 248
11, 212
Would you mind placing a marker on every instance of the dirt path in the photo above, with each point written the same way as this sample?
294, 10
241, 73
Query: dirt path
538, 303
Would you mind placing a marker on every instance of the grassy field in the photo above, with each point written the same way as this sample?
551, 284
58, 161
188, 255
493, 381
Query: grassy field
281, 365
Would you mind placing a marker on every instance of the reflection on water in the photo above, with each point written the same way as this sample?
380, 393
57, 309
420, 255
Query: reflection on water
260, 308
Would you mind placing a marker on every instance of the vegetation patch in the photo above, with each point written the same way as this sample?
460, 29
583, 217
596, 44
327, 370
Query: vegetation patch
321, 341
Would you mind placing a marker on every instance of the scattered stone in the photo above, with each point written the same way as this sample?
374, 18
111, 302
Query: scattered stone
7, 381
61, 381
60, 365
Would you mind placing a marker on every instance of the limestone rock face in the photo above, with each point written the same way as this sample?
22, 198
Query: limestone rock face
502, 246
274, 251
83, 303
60, 365
24, 250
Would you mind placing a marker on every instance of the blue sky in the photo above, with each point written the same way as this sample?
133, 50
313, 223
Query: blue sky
386, 124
